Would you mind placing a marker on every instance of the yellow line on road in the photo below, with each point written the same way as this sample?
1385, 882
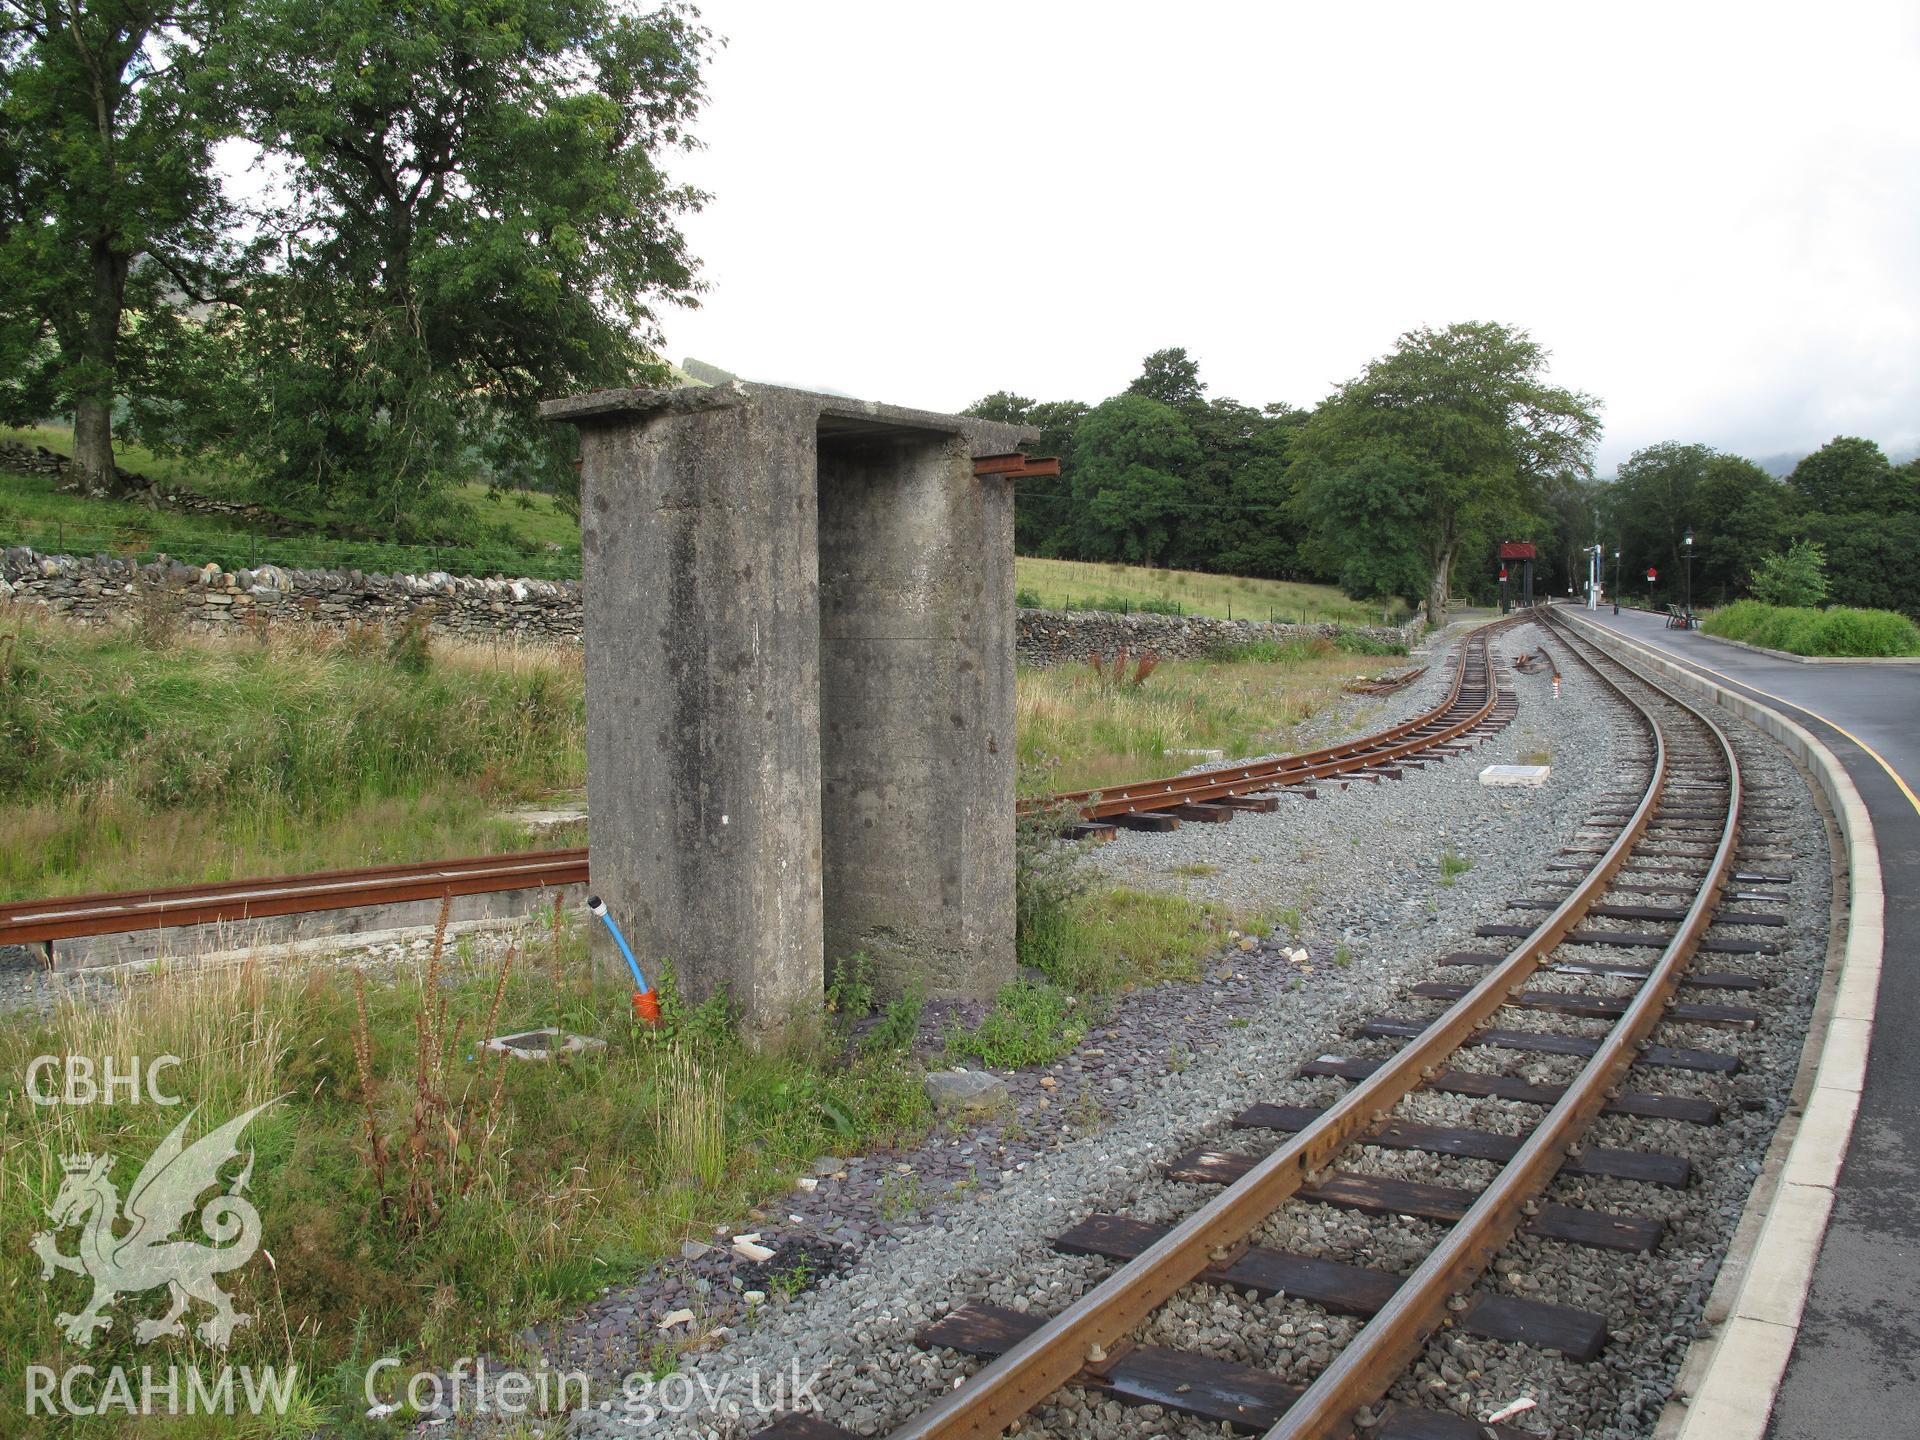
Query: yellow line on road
1892, 774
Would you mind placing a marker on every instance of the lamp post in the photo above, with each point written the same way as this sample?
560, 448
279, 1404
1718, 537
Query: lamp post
1687, 549
1616, 580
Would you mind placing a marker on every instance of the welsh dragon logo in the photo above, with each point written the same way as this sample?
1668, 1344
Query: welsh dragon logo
147, 1255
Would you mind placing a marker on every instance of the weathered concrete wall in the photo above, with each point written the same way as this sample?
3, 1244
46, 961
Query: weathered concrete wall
777, 764
703, 751
917, 710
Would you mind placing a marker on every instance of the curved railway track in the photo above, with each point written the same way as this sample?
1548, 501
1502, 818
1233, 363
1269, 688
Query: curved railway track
1474, 707
1475, 704
1661, 857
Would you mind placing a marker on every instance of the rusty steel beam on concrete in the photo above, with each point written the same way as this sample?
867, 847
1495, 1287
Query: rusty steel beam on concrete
78, 916
1016, 466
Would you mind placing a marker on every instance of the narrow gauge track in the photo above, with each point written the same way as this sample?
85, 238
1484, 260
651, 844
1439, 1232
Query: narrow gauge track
1674, 841
1475, 707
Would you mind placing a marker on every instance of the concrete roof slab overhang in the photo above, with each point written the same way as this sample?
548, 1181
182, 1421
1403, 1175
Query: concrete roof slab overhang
835, 416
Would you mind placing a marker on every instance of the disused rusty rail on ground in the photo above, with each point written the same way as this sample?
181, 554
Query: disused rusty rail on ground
1384, 687
1692, 792
27, 922
1470, 704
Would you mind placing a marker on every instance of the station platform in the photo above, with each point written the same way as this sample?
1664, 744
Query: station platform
1855, 1370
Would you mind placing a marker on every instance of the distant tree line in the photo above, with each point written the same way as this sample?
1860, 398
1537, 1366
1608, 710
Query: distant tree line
1451, 442
1403, 482
459, 208
1846, 498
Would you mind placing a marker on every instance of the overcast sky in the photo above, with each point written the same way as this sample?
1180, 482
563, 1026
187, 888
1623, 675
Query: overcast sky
1709, 214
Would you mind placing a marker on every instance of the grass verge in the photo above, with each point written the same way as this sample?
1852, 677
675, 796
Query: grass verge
1076, 731
1802, 630
398, 1164
131, 758
514, 534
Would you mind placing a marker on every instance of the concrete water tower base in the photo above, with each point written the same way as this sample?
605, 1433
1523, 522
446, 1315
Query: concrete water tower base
799, 638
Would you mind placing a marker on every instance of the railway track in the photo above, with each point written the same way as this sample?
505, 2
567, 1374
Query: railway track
1474, 708
1655, 881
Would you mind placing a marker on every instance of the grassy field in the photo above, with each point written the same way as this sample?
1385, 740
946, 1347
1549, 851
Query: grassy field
131, 758
519, 528
401, 1166
1077, 730
1802, 630
1080, 585
144, 757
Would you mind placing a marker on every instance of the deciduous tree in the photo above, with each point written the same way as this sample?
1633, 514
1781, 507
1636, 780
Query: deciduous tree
1132, 460
108, 208
1847, 475
475, 216
1464, 422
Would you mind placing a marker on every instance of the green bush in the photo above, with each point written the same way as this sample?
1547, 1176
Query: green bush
1048, 882
1354, 642
1797, 577
1025, 599
1800, 630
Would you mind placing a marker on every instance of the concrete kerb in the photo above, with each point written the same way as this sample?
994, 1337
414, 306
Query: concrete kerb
1818, 659
1789, 655
1726, 1387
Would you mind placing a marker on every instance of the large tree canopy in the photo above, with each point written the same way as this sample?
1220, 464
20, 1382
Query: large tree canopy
1176, 479
474, 216
1132, 459
1736, 511
1464, 422
107, 207
1847, 475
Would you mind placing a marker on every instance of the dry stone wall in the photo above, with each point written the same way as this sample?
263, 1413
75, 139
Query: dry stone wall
1053, 637
106, 590
20, 459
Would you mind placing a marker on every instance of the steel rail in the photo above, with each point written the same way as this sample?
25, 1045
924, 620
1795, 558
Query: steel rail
1079, 1338
1395, 742
1367, 1367
75, 917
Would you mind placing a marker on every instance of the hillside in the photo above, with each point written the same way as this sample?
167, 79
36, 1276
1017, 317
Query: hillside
531, 535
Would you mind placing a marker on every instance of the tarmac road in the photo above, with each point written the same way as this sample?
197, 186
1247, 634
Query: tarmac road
1855, 1371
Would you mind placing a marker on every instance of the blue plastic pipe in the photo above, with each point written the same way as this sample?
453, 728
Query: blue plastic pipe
598, 907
